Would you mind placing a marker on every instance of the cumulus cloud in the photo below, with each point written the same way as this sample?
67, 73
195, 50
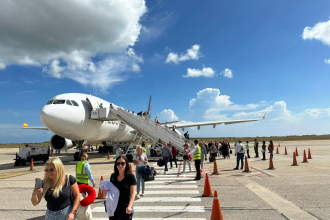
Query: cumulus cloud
227, 73
64, 37
191, 54
167, 115
206, 72
327, 61
321, 32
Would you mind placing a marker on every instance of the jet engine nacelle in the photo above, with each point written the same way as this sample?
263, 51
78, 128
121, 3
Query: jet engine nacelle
60, 143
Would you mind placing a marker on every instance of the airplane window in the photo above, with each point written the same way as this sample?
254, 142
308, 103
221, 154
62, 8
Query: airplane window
58, 101
68, 102
74, 103
50, 102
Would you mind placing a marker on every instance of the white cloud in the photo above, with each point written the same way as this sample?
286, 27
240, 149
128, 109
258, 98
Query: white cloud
321, 31
191, 54
206, 72
327, 61
4, 82
209, 103
29, 81
63, 38
227, 73
167, 115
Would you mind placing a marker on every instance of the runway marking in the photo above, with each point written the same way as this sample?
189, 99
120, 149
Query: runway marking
170, 187
287, 208
171, 175
160, 209
169, 182
173, 178
175, 192
169, 199
156, 218
12, 174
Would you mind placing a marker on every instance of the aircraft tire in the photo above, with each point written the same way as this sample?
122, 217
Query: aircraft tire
23, 163
100, 149
77, 156
17, 163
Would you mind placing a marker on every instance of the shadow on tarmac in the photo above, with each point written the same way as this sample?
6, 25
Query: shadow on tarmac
37, 218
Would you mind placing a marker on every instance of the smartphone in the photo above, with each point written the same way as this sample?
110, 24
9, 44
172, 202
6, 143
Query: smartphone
38, 183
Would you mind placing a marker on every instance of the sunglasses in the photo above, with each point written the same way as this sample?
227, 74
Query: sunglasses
121, 163
50, 170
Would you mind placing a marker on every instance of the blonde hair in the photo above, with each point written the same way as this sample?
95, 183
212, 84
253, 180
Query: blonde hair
59, 169
139, 147
84, 156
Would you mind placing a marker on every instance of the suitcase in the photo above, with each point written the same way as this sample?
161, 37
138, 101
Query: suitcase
149, 178
160, 162
211, 159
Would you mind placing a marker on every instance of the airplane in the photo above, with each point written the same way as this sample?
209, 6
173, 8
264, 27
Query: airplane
68, 116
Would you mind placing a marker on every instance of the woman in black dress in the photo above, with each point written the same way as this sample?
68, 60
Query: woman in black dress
125, 182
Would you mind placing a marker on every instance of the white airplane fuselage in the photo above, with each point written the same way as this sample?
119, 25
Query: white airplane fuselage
74, 123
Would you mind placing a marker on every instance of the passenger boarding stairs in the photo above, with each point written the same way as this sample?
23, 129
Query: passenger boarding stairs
149, 128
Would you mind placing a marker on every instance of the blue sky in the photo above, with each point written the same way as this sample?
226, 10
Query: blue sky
216, 60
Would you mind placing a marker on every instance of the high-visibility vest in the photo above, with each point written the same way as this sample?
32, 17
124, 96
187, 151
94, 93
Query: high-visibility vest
82, 176
144, 150
197, 154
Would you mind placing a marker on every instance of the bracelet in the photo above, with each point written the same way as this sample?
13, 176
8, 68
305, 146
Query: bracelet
73, 212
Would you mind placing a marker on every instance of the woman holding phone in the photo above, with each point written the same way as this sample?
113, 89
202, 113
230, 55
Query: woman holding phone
140, 160
125, 182
57, 188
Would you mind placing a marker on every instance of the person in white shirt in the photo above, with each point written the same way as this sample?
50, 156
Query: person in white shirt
140, 160
239, 153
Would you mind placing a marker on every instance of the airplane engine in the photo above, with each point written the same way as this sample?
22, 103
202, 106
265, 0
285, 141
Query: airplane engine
60, 143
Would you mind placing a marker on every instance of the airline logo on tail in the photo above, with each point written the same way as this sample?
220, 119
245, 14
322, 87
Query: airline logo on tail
25, 125
149, 108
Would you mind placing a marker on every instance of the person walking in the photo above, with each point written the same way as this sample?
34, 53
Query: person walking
57, 189
166, 154
271, 148
256, 144
196, 152
247, 149
186, 158
140, 160
174, 152
263, 150
213, 151
125, 182
203, 154
239, 153
84, 171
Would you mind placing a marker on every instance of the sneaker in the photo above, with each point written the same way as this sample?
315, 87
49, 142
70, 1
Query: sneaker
165, 172
142, 194
235, 168
137, 196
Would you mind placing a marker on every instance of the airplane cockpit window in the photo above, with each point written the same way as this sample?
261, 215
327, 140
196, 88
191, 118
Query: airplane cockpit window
74, 103
68, 102
58, 101
50, 102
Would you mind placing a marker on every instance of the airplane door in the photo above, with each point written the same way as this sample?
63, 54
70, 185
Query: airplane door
92, 102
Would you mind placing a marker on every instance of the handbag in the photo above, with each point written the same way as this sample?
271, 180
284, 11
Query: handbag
160, 162
185, 157
83, 212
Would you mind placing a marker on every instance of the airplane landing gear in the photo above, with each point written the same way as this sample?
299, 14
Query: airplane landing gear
77, 155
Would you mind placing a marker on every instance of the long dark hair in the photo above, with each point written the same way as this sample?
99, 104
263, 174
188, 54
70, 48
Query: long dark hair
116, 173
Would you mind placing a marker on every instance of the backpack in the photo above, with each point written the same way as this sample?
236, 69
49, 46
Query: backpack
175, 151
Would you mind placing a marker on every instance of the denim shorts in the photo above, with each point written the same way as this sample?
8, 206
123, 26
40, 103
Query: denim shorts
59, 215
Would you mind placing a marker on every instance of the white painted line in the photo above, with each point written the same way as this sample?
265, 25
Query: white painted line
169, 182
181, 175
156, 218
169, 209
170, 187
169, 199
175, 192
173, 178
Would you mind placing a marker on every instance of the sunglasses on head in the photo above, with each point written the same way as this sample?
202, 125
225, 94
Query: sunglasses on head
121, 163
50, 170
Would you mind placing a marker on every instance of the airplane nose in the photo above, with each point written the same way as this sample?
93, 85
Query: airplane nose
46, 117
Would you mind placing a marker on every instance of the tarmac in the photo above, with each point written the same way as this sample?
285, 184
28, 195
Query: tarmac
287, 192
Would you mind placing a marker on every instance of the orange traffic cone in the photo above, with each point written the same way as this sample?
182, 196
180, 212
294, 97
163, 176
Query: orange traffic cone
296, 152
286, 153
305, 158
309, 154
246, 168
52, 154
294, 160
215, 167
108, 155
100, 195
216, 209
271, 165
31, 165
130, 167
277, 151
207, 187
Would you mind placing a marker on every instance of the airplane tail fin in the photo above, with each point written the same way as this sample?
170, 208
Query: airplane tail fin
149, 108
25, 125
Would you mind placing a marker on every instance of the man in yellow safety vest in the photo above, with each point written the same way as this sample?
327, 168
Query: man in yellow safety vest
197, 158
84, 171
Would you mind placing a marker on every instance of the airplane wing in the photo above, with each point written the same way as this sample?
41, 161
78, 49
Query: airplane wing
25, 126
214, 123
170, 122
